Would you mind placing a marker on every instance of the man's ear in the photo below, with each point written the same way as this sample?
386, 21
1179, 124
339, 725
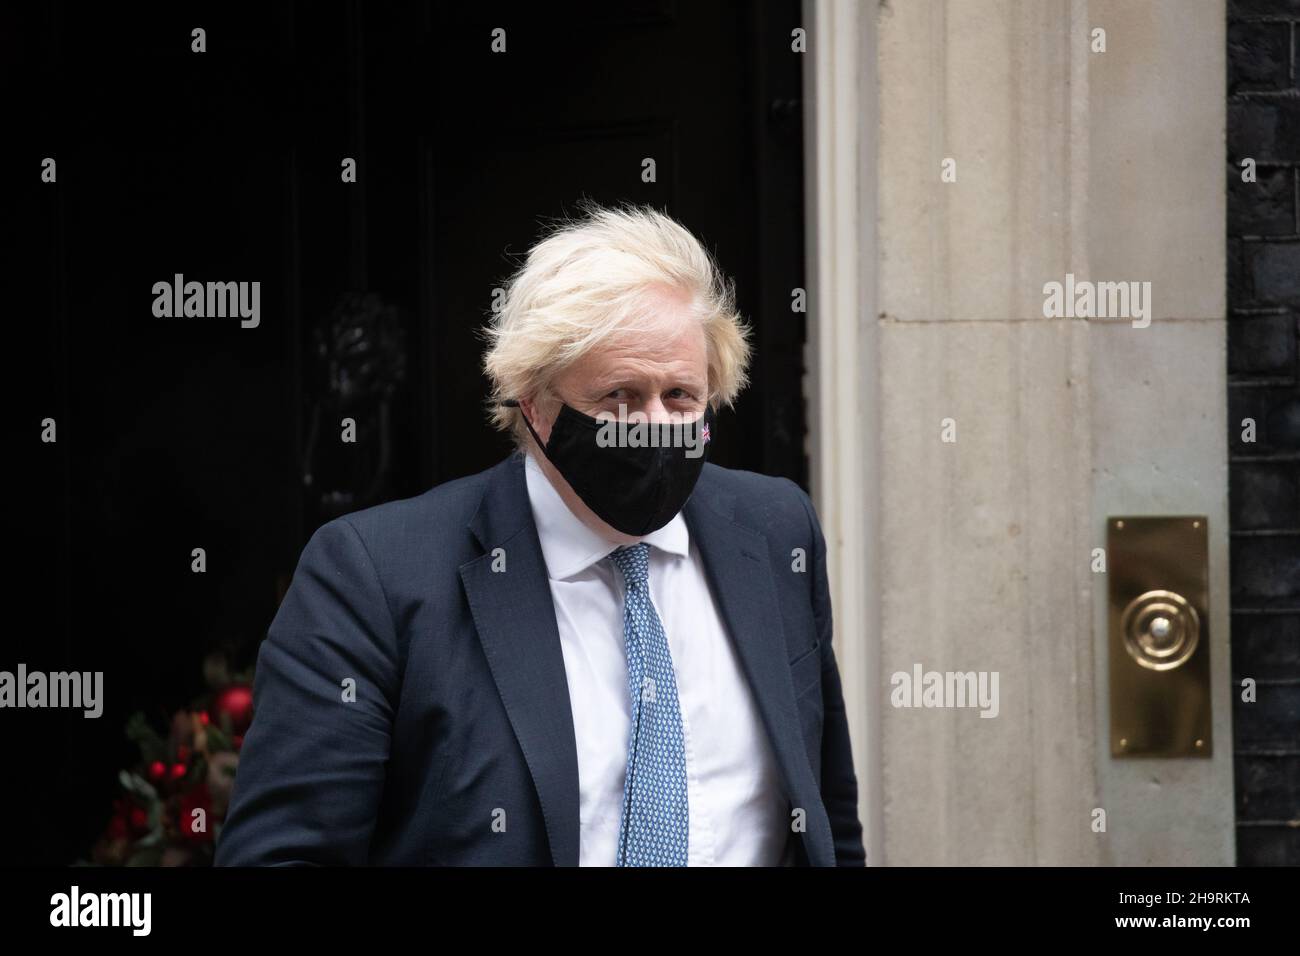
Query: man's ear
529, 407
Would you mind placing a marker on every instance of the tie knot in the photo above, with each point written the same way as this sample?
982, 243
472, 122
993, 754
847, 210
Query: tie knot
634, 562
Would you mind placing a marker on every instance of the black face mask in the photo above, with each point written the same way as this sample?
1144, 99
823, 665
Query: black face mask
636, 488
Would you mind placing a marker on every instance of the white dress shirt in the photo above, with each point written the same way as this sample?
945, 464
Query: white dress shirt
736, 804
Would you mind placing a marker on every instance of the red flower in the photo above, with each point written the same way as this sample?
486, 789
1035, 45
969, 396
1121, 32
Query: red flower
157, 770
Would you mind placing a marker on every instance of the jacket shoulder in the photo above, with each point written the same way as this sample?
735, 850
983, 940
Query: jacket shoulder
428, 527
454, 500
762, 501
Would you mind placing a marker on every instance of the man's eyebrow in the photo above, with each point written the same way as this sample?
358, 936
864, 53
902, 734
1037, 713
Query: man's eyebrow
603, 385
622, 380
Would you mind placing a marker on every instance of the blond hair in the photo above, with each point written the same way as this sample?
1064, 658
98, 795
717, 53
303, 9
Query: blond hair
589, 279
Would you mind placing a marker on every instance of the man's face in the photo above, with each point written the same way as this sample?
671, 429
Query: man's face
661, 373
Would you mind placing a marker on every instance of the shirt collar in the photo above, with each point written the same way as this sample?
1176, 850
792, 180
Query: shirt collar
568, 545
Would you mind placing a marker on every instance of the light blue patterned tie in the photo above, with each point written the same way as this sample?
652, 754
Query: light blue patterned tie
654, 830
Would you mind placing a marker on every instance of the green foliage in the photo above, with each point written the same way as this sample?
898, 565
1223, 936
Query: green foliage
151, 744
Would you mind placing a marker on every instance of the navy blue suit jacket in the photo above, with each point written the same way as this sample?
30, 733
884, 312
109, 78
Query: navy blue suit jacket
461, 714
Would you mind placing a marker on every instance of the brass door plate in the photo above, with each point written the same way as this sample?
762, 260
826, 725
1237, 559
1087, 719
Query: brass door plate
1158, 571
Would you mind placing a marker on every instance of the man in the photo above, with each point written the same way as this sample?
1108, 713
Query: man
603, 650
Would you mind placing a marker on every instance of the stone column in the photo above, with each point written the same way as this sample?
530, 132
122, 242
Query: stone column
1107, 166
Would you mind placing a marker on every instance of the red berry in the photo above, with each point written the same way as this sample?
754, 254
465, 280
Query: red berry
232, 708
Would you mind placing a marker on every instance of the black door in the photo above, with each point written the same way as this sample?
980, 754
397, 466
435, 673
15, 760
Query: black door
226, 165
579, 105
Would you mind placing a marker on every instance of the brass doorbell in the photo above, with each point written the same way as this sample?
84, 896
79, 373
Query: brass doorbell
1158, 572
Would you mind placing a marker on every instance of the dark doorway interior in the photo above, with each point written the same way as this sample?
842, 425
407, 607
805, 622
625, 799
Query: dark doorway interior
226, 166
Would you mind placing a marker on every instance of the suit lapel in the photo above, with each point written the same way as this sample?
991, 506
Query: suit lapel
515, 618
740, 573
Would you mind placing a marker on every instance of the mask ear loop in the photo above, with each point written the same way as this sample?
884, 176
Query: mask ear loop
514, 403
